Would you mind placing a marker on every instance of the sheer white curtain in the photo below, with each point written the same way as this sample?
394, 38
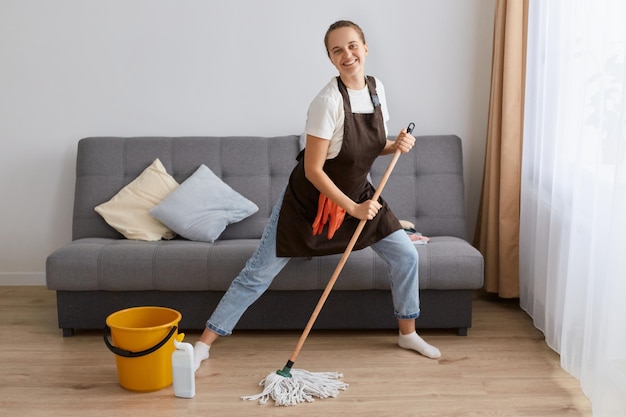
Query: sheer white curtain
573, 195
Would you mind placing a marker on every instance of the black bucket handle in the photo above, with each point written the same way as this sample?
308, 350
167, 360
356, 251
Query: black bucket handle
130, 354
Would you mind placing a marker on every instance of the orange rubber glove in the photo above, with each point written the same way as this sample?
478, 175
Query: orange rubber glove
328, 209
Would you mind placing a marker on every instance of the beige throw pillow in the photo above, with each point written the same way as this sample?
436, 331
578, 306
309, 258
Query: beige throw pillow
129, 210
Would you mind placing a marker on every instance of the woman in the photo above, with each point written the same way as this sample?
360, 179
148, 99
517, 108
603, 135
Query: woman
345, 132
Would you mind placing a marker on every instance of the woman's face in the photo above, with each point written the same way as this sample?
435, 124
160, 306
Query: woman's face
347, 53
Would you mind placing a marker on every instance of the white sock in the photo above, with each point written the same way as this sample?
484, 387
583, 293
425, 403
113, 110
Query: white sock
200, 353
414, 342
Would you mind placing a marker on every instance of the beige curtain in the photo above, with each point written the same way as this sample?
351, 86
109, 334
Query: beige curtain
497, 228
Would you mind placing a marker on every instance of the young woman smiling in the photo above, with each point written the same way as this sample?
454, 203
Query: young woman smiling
346, 130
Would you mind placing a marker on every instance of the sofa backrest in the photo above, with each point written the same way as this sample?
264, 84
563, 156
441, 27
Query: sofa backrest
425, 188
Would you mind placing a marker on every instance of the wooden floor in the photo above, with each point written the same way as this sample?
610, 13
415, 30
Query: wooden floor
502, 368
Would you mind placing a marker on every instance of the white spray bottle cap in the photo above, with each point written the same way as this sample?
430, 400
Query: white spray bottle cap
180, 345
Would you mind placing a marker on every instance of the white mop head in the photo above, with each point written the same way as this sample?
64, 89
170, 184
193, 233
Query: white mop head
302, 386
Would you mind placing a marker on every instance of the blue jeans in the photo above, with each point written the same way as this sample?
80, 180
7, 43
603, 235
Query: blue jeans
263, 266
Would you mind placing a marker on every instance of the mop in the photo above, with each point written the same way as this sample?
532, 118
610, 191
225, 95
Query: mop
289, 386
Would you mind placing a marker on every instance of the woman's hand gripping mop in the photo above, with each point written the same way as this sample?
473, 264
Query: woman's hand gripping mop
289, 386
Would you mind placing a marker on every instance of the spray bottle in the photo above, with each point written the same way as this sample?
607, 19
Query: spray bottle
182, 369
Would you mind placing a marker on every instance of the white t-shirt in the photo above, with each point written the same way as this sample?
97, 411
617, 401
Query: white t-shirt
326, 115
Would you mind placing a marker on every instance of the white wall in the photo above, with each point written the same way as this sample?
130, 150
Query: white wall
75, 68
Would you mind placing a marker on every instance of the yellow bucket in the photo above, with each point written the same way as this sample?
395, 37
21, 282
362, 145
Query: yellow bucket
142, 340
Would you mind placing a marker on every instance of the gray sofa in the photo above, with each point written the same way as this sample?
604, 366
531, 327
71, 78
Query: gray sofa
100, 271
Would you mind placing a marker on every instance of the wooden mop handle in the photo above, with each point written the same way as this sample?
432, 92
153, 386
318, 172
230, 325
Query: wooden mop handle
344, 258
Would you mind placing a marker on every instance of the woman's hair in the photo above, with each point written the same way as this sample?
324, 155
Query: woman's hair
343, 24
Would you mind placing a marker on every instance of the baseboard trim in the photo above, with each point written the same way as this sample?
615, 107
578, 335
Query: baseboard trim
22, 279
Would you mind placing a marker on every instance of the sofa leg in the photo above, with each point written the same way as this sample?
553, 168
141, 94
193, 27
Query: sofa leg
68, 332
461, 331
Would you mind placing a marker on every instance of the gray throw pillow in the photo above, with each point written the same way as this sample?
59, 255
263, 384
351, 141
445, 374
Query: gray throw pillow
202, 206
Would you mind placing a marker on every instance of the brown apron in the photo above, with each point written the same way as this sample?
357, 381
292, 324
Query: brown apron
363, 140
